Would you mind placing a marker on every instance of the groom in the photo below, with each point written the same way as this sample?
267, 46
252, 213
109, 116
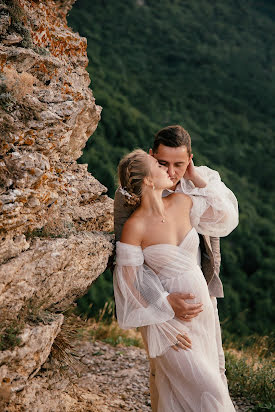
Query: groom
172, 148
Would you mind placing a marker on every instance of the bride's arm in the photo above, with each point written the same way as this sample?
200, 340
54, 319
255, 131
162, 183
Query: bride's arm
215, 207
140, 301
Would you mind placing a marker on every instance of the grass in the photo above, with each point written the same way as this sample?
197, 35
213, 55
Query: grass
262, 346
106, 329
63, 354
9, 337
10, 329
115, 336
74, 327
250, 370
251, 378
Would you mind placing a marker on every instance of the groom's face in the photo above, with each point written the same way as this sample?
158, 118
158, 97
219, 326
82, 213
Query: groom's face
176, 159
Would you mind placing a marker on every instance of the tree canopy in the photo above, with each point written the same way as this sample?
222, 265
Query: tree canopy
208, 66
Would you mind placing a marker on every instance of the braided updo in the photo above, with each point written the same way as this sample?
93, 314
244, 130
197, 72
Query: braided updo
132, 169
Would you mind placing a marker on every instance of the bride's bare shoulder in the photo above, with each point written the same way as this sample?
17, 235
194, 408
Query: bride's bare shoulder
133, 230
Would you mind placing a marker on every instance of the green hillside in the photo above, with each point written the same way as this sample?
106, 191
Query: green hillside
208, 66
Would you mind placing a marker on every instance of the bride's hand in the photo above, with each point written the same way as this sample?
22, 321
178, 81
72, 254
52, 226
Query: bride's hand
183, 342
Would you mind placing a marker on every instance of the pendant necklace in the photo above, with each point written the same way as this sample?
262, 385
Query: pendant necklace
163, 218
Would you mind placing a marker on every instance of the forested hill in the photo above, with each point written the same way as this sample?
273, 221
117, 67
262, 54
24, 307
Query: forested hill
208, 66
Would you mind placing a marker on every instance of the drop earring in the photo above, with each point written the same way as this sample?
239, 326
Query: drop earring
153, 187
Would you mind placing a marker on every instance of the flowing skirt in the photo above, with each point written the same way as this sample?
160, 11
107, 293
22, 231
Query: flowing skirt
190, 380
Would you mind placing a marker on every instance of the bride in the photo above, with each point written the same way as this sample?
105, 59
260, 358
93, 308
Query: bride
157, 252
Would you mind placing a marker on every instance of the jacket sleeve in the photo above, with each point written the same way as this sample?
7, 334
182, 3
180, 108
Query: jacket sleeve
215, 207
216, 250
141, 301
121, 213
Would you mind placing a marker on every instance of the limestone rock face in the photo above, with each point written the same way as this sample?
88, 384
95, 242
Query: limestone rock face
47, 114
53, 214
26, 359
52, 273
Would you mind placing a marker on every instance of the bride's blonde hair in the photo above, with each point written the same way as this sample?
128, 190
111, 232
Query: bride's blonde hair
132, 170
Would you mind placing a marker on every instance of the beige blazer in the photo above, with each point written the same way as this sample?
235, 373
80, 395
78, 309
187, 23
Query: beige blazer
210, 247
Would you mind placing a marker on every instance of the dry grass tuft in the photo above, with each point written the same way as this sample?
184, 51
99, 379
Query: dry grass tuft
106, 329
63, 353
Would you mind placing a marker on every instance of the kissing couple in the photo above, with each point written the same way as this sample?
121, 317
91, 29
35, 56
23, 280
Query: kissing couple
169, 216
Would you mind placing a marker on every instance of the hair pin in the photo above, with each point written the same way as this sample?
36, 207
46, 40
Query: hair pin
124, 192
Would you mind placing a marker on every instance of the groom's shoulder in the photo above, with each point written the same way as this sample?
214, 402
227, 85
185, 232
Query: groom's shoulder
180, 199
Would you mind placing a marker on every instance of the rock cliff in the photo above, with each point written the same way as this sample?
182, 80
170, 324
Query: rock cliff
55, 217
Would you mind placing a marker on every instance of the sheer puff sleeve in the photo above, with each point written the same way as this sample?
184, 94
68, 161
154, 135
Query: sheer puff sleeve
141, 300
215, 207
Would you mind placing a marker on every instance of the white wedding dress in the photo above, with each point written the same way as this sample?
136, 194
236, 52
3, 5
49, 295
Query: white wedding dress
187, 380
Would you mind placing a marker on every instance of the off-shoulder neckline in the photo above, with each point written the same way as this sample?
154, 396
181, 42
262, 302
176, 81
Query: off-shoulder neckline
127, 244
158, 244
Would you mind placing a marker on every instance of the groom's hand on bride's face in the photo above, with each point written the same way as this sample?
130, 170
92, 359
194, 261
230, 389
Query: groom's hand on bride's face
184, 310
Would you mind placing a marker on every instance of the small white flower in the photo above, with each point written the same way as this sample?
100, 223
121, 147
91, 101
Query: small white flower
124, 192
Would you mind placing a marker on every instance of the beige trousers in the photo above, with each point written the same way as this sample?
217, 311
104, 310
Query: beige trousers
153, 388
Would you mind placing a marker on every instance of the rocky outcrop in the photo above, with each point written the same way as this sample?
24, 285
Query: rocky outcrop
52, 273
26, 359
54, 216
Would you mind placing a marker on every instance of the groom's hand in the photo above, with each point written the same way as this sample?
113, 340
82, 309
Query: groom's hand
190, 172
183, 310
193, 175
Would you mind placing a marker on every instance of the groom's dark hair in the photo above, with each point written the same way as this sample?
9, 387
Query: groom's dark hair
172, 136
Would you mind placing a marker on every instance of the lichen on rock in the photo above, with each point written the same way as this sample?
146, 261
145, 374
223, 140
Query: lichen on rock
54, 216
